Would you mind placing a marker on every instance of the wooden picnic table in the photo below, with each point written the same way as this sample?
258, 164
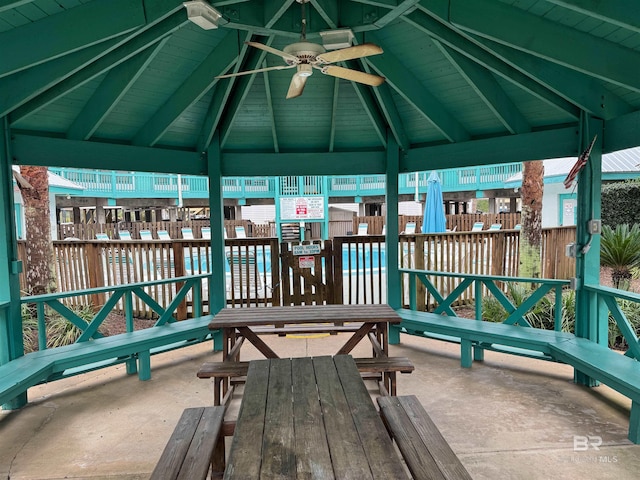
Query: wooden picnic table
371, 321
310, 418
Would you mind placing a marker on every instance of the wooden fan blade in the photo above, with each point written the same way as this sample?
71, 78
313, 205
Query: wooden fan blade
249, 72
297, 85
349, 53
353, 75
275, 51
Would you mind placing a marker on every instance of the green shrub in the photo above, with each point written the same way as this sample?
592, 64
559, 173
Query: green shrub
60, 331
620, 203
620, 250
542, 315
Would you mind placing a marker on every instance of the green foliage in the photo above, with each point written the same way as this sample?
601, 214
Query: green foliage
620, 203
620, 250
60, 331
631, 311
542, 315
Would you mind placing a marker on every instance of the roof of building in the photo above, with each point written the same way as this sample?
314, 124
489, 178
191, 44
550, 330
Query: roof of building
622, 162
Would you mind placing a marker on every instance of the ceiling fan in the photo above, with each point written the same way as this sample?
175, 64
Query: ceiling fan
306, 56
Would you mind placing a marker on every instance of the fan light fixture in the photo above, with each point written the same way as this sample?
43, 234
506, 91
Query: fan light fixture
336, 39
202, 14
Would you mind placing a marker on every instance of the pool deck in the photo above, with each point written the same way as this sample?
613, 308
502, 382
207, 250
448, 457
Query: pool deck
506, 418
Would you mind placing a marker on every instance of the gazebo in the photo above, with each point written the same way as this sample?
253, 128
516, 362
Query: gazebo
374, 87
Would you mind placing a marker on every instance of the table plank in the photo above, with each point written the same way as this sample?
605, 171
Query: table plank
313, 460
245, 457
278, 459
297, 314
347, 454
375, 439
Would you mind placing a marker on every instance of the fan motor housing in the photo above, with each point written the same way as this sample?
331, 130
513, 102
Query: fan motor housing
306, 52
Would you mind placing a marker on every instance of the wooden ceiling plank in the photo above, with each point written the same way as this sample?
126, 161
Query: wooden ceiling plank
115, 86
488, 89
67, 32
111, 60
464, 45
191, 90
538, 36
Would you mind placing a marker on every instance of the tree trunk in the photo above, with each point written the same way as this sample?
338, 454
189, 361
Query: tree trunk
40, 266
531, 232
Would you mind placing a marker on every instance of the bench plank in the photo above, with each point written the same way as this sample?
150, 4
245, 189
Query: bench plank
425, 450
189, 451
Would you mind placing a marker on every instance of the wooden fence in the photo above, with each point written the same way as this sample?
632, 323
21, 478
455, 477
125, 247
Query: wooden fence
88, 231
254, 274
457, 223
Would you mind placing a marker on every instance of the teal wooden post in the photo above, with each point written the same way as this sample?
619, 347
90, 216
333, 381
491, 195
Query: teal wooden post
217, 277
325, 221
11, 343
394, 288
591, 323
478, 352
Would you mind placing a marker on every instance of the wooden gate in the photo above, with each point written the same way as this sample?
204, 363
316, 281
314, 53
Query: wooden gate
307, 279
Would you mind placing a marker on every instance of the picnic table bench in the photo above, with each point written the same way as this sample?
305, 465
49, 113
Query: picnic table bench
196, 447
236, 372
425, 451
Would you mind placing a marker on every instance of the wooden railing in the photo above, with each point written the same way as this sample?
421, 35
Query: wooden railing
254, 269
457, 223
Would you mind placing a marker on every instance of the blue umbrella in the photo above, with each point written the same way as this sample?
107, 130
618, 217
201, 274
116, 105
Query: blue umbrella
434, 220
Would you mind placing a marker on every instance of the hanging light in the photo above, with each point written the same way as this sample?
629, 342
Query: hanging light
202, 14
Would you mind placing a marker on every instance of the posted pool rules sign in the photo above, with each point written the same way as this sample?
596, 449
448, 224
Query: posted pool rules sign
307, 261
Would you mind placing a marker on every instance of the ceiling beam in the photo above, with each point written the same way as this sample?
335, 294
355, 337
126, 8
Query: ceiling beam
559, 142
243, 84
9, 4
387, 106
334, 111
538, 36
584, 91
273, 10
488, 89
372, 111
191, 90
622, 132
303, 163
463, 44
416, 94
67, 32
328, 10
111, 60
221, 93
623, 13
114, 86
62, 152
269, 93
19, 88
402, 8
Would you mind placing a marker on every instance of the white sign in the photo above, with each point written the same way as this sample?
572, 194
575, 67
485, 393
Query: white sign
307, 262
302, 208
313, 249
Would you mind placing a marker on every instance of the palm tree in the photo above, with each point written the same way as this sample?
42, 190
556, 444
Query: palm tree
531, 233
620, 250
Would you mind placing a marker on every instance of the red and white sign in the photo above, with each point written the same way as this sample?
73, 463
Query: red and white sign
302, 208
307, 262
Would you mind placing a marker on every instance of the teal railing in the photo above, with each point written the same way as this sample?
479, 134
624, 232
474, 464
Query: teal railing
112, 184
115, 294
611, 298
481, 284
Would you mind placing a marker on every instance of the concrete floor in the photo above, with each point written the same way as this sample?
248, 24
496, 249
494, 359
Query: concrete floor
507, 418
